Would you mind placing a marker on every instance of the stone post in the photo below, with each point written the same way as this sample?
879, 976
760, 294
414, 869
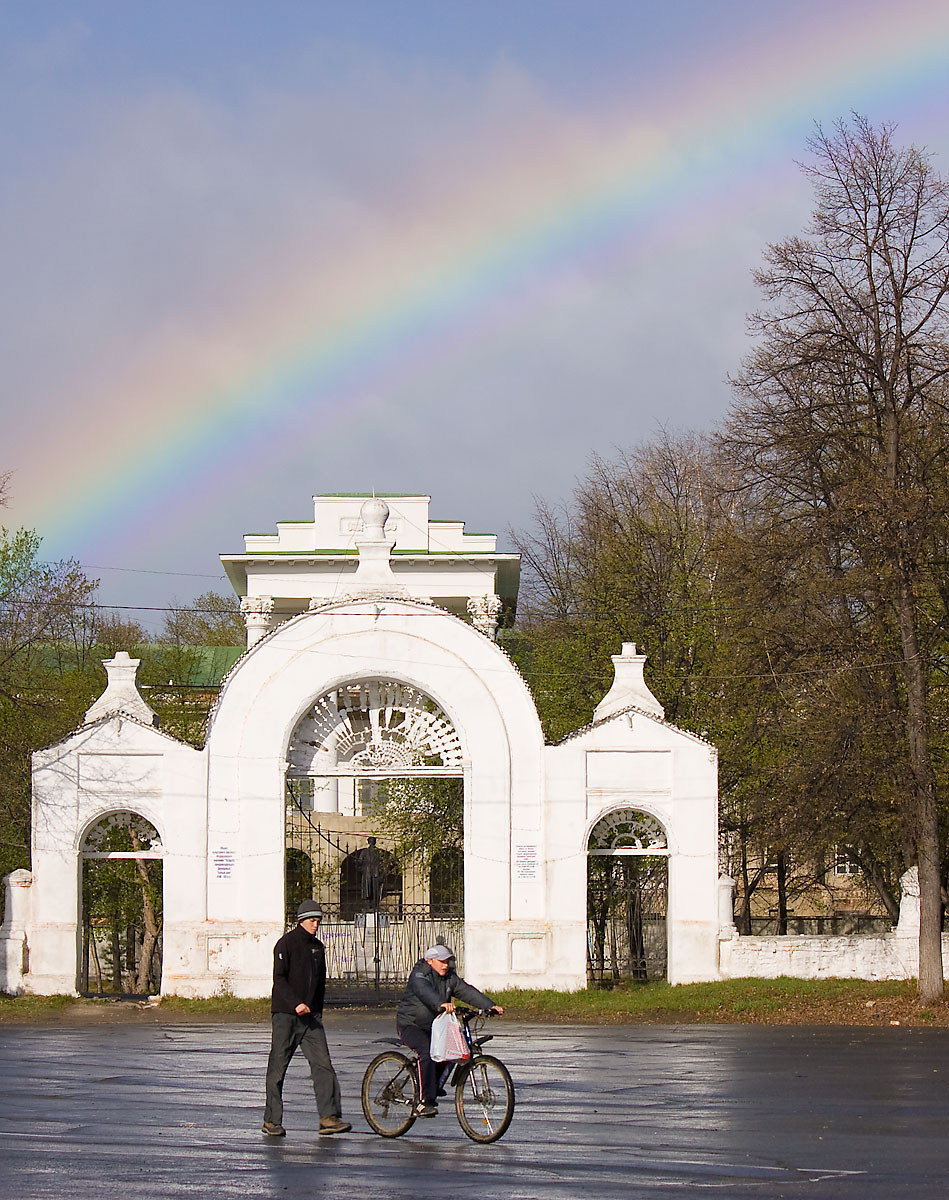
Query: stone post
256, 611
14, 948
908, 924
726, 907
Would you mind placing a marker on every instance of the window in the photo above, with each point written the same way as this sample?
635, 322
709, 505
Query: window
843, 863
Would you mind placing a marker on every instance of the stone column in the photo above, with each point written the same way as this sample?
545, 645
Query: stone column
726, 906
256, 611
908, 925
484, 612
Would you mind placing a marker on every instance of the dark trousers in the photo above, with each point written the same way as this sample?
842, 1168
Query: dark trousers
420, 1040
289, 1032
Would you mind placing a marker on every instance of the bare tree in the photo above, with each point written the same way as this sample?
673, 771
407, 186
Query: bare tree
840, 426
210, 620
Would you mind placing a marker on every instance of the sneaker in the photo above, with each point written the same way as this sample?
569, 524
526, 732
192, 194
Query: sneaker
426, 1110
333, 1125
272, 1129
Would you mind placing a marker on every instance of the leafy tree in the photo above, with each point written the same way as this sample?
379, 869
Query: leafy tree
635, 556
840, 431
45, 631
419, 816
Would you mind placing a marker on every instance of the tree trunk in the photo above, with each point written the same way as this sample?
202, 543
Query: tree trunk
744, 916
871, 869
782, 893
152, 929
924, 815
116, 959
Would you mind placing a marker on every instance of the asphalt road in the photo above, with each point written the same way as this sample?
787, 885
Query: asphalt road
162, 1111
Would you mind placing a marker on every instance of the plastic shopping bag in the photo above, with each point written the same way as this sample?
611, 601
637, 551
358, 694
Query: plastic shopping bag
448, 1042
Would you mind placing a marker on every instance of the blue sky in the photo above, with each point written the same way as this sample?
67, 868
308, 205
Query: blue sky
164, 167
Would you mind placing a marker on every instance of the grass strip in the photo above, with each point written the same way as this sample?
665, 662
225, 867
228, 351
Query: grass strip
770, 1001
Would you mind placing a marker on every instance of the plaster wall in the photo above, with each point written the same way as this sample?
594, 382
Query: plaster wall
116, 764
422, 579
889, 956
634, 761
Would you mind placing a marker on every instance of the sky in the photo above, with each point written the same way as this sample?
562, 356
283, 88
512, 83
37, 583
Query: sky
257, 251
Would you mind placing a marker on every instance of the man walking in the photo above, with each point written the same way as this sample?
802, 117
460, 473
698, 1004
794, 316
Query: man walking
299, 982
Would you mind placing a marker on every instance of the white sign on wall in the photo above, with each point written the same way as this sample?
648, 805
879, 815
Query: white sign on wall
525, 860
222, 860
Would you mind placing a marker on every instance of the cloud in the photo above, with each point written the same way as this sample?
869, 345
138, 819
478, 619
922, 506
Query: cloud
163, 230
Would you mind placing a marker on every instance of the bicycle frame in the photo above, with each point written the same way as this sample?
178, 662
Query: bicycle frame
484, 1091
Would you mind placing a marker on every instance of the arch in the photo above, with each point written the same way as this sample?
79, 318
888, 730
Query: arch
496, 746
121, 892
630, 830
627, 896
101, 835
373, 724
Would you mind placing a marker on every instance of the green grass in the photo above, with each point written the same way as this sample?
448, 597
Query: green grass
780, 1000
730, 999
27, 1005
259, 1007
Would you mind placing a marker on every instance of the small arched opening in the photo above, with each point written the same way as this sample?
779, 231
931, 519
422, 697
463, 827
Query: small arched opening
121, 906
627, 898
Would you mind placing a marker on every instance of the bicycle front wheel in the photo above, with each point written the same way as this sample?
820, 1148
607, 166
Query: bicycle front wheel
390, 1094
484, 1099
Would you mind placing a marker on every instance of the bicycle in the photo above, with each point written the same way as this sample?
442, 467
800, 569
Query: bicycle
484, 1090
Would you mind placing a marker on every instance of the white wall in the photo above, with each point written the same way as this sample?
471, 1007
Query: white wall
117, 764
220, 811
633, 760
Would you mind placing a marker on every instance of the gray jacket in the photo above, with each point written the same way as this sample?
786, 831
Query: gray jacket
427, 991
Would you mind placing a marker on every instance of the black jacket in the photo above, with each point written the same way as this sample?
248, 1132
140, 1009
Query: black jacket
427, 991
299, 972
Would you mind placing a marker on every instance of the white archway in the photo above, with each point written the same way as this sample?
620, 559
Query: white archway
411, 645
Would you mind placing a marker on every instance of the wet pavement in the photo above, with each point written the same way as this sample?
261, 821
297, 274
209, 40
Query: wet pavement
166, 1110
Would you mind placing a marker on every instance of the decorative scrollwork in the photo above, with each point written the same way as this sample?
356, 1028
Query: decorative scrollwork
627, 829
372, 724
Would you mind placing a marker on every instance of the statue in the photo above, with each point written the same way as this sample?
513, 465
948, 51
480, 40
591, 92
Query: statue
372, 874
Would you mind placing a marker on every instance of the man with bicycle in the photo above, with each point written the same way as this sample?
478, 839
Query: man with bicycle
431, 989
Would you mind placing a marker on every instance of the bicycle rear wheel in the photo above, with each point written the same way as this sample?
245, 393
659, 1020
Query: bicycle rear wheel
484, 1099
390, 1094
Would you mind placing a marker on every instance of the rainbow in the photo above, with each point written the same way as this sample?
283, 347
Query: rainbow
310, 349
